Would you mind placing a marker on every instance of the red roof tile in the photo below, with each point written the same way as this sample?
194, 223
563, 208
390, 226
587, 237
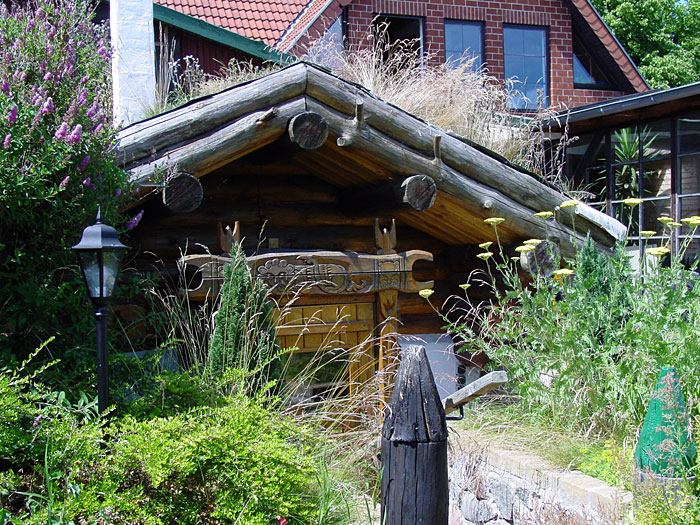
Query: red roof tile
265, 20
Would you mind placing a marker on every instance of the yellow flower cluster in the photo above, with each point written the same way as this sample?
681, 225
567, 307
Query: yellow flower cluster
631, 201
494, 221
563, 272
658, 252
426, 293
484, 255
569, 204
544, 214
525, 248
647, 233
485, 245
532, 242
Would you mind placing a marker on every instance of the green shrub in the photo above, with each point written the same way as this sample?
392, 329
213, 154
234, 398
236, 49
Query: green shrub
54, 170
586, 348
244, 333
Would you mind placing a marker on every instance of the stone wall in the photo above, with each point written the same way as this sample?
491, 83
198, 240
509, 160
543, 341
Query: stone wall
490, 485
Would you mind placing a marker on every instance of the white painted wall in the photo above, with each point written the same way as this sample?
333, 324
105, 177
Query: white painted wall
133, 59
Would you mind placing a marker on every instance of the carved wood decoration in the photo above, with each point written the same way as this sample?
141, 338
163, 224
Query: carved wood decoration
385, 239
226, 237
318, 272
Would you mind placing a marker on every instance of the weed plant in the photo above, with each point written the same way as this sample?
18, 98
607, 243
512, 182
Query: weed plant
583, 344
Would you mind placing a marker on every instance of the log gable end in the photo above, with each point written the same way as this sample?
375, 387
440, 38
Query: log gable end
287, 198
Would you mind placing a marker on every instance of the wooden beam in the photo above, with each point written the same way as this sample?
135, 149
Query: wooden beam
223, 145
144, 139
474, 389
455, 153
416, 192
308, 130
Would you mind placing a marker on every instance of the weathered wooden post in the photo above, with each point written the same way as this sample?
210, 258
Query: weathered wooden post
414, 447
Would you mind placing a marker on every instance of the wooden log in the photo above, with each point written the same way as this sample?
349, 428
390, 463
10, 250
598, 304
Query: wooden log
200, 116
413, 193
222, 145
453, 151
474, 389
308, 130
478, 200
414, 486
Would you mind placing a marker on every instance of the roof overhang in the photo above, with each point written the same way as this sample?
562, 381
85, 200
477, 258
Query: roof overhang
370, 143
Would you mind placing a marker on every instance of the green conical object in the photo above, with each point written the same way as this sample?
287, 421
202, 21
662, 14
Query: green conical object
665, 443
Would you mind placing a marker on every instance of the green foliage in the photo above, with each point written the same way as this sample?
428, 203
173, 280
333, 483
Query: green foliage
661, 36
244, 333
586, 349
54, 169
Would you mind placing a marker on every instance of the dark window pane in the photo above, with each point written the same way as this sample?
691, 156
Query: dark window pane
587, 72
689, 131
656, 140
690, 173
657, 178
463, 39
526, 66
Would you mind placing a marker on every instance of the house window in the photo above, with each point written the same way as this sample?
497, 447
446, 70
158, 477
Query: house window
464, 39
399, 34
587, 72
526, 66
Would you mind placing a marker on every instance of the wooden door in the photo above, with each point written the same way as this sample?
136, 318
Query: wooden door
333, 344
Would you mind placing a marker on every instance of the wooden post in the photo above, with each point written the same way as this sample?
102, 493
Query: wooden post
414, 447
414, 193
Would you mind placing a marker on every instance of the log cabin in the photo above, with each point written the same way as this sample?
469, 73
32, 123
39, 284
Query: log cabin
329, 185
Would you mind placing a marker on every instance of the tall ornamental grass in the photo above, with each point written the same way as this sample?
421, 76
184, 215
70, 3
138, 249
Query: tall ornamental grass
584, 344
54, 168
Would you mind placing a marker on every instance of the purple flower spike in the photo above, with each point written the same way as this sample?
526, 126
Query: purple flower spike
133, 223
48, 76
64, 183
86, 182
5, 87
82, 98
12, 115
61, 131
76, 134
118, 193
48, 106
7, 141
97, 129
83, 163
36, 420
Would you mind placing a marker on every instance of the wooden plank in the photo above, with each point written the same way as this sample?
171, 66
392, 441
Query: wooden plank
474, 389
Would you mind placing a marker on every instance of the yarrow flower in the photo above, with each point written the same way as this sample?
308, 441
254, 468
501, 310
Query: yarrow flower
544, 214
8, 140
569, 203
647, 233
464, 286
525, 248
494, 221
485, 245
675, 224
631, 201
133, 223
658, 252
532, 242
425, 293
665, 219
563, 272
485, 255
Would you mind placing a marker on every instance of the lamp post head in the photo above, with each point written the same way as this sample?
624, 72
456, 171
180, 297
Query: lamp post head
100, 254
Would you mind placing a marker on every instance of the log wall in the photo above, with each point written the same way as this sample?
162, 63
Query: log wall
281, 206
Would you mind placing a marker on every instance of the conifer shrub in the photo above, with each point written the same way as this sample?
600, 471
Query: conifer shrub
244, 333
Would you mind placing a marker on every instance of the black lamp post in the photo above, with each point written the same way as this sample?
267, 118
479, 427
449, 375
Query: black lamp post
100, 254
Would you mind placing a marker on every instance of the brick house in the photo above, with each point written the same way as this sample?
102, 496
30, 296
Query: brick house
559, 51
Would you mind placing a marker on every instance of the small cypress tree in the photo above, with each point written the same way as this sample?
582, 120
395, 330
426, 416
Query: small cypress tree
244, 333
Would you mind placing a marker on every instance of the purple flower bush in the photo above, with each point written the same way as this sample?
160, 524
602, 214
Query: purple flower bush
55, 108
